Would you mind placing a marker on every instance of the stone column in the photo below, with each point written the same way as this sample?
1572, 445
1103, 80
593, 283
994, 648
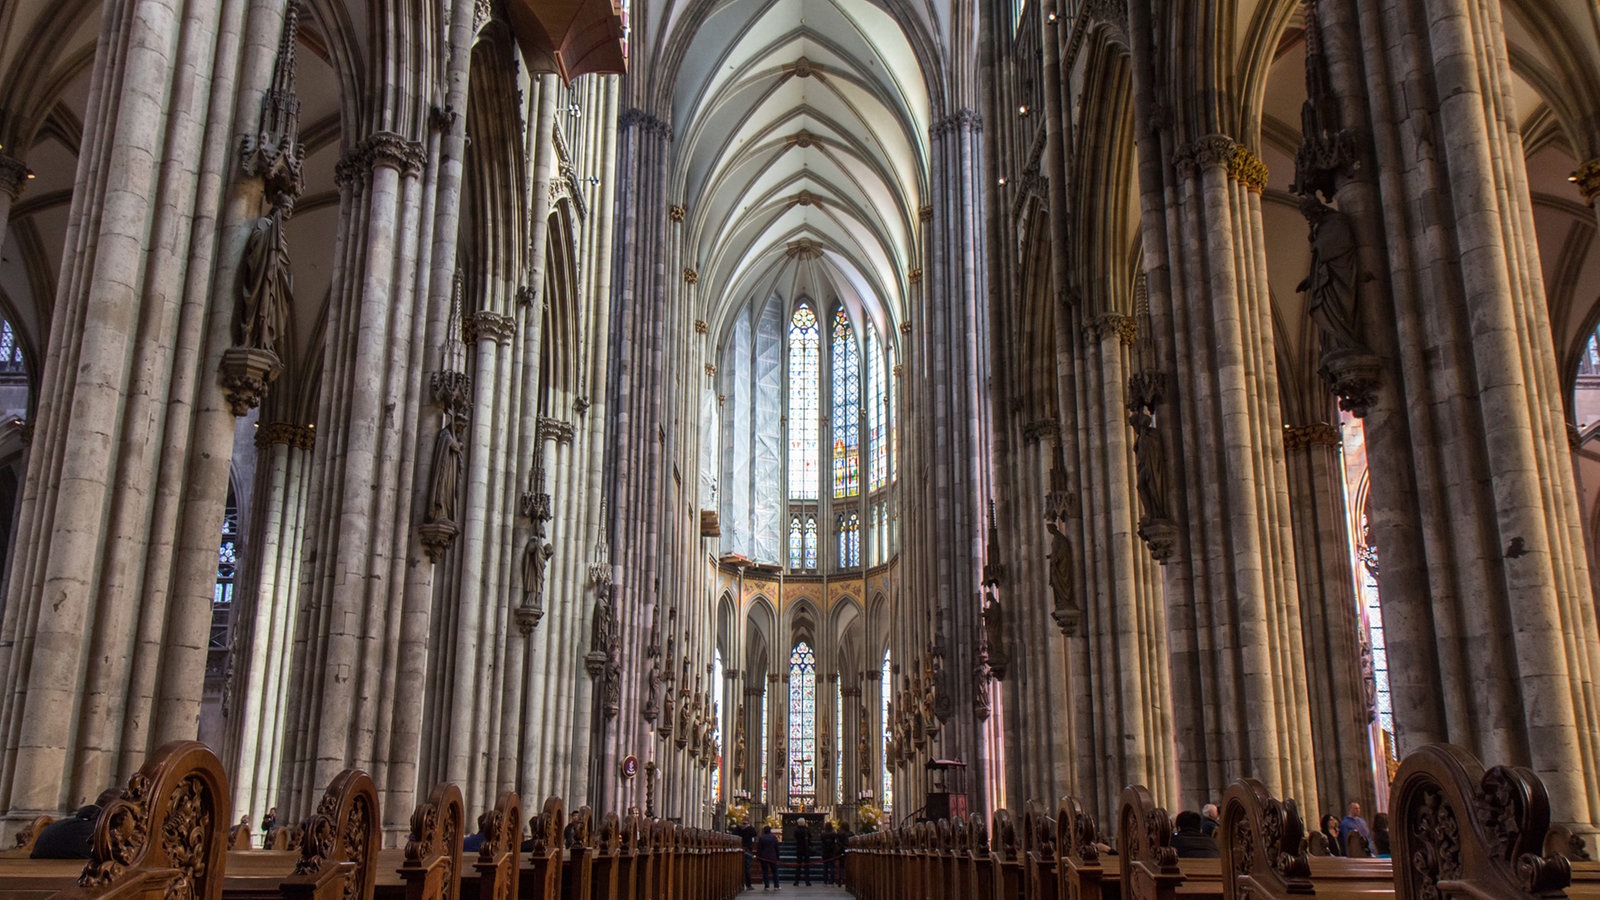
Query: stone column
1341, 708
636, 428
259, 686
1491, 628
951, 427
108, 611
1208, 450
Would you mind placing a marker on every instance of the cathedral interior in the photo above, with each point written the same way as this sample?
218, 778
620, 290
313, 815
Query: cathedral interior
717, 409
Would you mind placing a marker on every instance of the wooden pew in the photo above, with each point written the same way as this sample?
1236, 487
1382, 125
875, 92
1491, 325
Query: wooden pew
1010, 874
25, 838
542, 877
578, 866
1082, 872
1039, 851
497, 866
1469, 832
981, 868
432, 866
606, 874
1149, 864
632, 856
960, 862
338, 854
165, 837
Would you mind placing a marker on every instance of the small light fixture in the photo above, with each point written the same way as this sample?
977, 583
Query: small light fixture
1023, 110
1002, 181
1051, 17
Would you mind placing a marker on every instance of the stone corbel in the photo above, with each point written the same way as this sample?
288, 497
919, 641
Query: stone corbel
1587, 179
14, 175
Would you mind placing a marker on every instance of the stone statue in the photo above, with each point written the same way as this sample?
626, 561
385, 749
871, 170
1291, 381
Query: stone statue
652, 700
1062, 581
600, 634
265, 286
613, 683
994, 635
1335, 274
446, 475
1150, 457
535, 556
741, 747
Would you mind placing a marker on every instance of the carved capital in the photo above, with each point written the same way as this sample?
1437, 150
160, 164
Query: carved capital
381, 149
711, 370
1214, 150
245, 374
492, 325
1587, 178
676, 212
1353, 375
300, 437
700, 326
691, 275
13, 175
1161, 536
915, 275
1039, 429
1247, 168
553, 429
1124, 327
1321, 434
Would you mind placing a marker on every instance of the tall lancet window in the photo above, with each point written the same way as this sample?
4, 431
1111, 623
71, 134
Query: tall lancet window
886, 679
877, 413
850, 540
802, 723
716, 724
811, 542
796, 544
846, 408
805, 405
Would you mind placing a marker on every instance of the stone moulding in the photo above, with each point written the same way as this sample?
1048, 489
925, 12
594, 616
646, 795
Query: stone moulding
245, 374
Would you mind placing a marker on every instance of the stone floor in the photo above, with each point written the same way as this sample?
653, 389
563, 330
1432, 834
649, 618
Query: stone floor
816, 892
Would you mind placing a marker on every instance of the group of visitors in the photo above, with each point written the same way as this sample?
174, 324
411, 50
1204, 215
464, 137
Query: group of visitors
763, 847
1334, 837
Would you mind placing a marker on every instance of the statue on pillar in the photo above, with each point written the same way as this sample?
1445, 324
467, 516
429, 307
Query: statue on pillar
266, 286
535, 556
1335, 274
445, 478
1150, 462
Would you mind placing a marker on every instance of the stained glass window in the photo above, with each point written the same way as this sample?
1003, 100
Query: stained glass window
838, 747
884, 682
805, 405
850, 540
802, 723
811, 542
716, 723
873, 557
877, 413
795, 557
227, 570
764, 742
846, 408
10, 354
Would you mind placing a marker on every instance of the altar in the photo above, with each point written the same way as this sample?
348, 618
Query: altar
814, 822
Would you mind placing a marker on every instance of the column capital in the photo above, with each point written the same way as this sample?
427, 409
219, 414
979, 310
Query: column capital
1126, 328
488, 324
381, 148
14, 175
1587, 178
1298, 437
300, 437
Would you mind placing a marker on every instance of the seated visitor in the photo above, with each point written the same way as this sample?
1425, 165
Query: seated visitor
72, 837
1190, 841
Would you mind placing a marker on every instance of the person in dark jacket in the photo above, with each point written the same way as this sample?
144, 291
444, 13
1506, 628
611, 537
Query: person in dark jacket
72, 837
830, 855
747, 837
767, 853
1190, 842
802, 852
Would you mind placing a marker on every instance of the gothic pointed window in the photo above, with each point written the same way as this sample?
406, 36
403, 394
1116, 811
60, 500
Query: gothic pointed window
765, 693
877, 414
796, 559
802, 723
850, 540
811, 542
716, 724
846, 408
885, 679
805, 404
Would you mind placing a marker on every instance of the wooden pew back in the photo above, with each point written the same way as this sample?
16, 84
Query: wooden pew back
432, 866
499, 875
167, 835
339, 850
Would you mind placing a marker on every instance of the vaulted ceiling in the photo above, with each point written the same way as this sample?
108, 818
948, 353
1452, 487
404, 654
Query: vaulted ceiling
801, 153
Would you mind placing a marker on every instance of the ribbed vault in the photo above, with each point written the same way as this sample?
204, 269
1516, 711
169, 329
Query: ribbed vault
801, 136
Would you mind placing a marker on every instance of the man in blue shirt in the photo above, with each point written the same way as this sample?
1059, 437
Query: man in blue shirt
1352, 822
